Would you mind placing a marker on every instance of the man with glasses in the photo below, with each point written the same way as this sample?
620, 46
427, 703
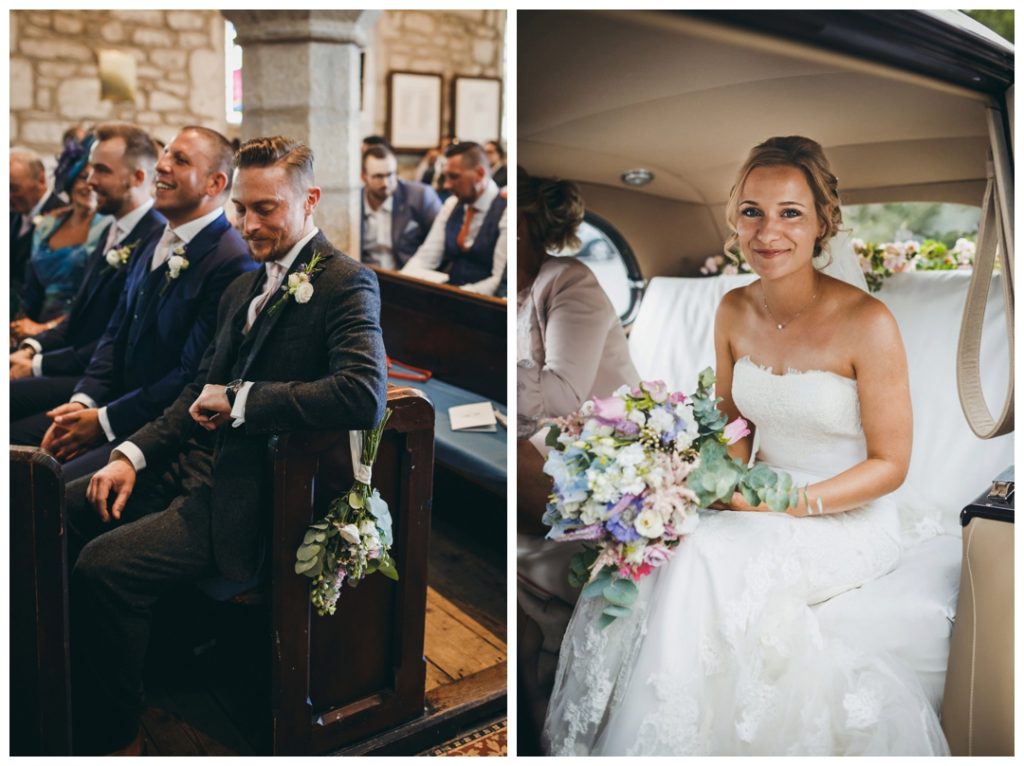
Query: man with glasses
396, 214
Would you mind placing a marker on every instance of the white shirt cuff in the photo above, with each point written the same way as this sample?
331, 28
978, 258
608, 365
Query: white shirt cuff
37, 365
238, 411
85, 399
105, 422
134, 455
32, 343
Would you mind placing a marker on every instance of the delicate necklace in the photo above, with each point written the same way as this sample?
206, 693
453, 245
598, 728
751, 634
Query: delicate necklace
781, 325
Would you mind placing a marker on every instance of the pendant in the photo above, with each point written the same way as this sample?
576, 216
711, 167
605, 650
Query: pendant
780, 326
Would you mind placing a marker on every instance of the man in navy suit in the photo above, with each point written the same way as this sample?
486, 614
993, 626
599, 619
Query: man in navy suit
396, 214
30, 196
46, 368
468, 240
166, 314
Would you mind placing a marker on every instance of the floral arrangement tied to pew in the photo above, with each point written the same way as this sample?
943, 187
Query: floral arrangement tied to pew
354, 538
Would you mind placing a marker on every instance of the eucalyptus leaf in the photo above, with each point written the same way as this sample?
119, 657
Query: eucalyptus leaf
307, 552
303, 567
597, 586
706, 379
621, 592
354, 500
750, 495
614, 610
604, 621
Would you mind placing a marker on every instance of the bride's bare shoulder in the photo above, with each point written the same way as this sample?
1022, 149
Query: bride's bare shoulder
737, 300
867, 319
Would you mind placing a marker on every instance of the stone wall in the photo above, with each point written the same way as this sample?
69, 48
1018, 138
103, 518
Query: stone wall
450, 43
54, 81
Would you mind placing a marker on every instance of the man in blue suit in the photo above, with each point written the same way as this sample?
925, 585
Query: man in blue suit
166, 314
396, 215
46, 368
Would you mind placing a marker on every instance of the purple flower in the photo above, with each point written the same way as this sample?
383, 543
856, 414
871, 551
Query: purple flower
620, 526
676, 397
735, 431
591, 532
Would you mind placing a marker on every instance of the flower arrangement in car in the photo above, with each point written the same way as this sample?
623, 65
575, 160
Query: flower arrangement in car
881, 261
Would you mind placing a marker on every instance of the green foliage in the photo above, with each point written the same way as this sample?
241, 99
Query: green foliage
942, 222
1000, 22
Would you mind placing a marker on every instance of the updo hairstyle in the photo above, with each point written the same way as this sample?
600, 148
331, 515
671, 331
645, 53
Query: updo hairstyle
808, 156
553, 209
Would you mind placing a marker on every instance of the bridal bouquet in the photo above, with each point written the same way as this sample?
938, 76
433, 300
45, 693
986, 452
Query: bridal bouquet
630, 473
354, 538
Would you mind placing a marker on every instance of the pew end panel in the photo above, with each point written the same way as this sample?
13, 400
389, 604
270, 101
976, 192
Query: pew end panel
459, 336
40, 691
342, 678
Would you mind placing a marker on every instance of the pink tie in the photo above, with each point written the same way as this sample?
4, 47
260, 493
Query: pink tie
163, 249
111, 237
275, 272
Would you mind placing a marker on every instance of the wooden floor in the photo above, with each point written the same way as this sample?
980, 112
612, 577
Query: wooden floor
213, 702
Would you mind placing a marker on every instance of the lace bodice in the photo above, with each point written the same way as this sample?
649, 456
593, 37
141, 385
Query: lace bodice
807, 423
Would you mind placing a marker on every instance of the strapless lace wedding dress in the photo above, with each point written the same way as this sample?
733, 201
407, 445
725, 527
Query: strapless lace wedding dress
723, 653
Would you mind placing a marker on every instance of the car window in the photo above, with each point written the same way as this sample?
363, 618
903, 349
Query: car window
919, 221
605, 252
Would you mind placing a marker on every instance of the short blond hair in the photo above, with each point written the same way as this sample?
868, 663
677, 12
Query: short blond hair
806, 155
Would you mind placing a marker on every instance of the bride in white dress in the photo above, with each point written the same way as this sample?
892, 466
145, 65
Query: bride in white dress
722, 653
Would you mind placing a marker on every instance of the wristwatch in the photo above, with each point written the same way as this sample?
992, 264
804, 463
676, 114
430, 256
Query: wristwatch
231, 391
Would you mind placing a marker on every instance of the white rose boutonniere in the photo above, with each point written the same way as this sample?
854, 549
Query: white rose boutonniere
176, 264
118, 256
299, 284
38, 219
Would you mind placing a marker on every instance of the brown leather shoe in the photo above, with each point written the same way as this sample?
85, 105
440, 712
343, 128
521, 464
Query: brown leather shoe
134, 748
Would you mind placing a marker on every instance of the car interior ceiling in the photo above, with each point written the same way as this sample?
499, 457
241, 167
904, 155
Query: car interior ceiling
687, 100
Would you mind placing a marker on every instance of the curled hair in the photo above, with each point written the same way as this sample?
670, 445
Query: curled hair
294, 156
809, 157
221, 153
140, 151
553, 210
497, 147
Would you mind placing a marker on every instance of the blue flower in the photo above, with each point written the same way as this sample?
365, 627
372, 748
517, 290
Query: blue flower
620, 526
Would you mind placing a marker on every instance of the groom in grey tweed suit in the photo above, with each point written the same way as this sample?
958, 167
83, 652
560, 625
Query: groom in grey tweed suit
186, 497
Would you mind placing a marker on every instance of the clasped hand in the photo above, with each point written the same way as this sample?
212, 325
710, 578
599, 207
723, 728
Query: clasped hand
21, 363
211, 409
74, 430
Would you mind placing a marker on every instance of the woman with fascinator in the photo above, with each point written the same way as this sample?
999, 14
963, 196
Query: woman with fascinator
61, 245
722, 653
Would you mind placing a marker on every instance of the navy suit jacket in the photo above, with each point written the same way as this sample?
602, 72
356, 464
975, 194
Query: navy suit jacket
68, 347
161, 327
414, 206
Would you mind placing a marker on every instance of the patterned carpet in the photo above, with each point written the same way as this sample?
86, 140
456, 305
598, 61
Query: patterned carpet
490, 740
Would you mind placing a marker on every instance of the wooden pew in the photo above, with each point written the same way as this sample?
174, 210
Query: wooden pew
339, 679
459, 336
40, 700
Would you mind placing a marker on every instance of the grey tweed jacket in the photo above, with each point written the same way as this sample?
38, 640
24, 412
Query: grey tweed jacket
318, 365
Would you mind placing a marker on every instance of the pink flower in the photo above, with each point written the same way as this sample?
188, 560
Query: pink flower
735, 431
610, 411
676, 397
656, 555
657, 389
